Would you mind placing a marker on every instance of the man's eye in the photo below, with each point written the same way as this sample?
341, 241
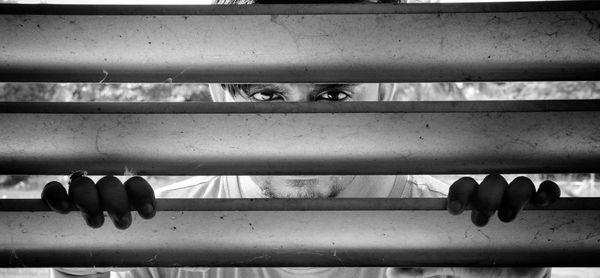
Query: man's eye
266, 96
333, 95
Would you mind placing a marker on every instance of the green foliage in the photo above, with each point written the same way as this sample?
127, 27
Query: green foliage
84, 92
135, 92
498, 91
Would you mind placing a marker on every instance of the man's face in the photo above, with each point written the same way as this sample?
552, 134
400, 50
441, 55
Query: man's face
309, 92
306, 186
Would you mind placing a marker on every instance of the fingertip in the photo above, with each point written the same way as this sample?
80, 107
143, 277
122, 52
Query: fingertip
516, 196
55, 197
478, 218
84, 194
141, 196
490, 194
455, 207
64, 207
507, 214
460, 194
147, 211
95, 221
115, 201
547, 193
551, 187
123, 222
540, 199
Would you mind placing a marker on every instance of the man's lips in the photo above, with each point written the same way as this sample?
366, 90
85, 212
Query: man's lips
300, 183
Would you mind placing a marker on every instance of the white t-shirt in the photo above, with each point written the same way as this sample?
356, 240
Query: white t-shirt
361, 187
244, 187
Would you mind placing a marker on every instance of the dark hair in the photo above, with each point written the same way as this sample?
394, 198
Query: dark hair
237, 88
235, 2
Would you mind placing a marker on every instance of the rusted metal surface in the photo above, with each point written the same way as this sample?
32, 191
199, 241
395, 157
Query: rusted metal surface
287, 238
219, 139
297, 43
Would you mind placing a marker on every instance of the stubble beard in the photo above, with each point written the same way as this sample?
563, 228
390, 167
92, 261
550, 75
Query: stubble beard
304, 189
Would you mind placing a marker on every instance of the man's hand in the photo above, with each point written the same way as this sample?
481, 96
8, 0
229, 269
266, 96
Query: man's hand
494, 193
107, 194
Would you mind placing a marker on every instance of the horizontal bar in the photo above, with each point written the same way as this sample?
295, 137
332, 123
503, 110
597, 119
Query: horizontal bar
299, 107
341, 204
364, 43
287, 9
287, 238
211, 142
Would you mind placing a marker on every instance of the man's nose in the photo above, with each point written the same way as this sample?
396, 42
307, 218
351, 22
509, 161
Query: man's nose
300, 97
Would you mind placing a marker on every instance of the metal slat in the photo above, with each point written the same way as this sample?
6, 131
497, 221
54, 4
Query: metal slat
287, 9
248, 237
301, 43
229, 139
300, 204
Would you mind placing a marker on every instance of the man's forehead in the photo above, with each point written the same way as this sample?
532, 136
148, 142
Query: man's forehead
301, 86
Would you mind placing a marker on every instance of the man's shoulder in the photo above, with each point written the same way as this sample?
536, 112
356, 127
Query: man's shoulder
195, 187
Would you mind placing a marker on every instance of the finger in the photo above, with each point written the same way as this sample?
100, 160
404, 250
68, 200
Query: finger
460, 194
55, 196
141, 196
84, 194
547, 193
487, 199
114, 199
517, 194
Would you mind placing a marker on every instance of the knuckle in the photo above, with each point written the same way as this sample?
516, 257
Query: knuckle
109, 182
462, 189
464, 182
138, 186
141, 196
523, 179
52, 190
494, 180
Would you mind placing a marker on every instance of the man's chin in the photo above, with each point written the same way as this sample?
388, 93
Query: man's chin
299, 186
303, 184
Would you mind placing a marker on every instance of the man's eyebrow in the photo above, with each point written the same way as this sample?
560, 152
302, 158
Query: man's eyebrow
324, 87
258, 87
252, 88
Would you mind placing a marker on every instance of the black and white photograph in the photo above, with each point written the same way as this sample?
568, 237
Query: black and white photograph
299, 139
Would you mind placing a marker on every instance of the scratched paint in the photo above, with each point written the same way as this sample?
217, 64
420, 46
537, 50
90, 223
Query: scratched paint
388, 238
413, 47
